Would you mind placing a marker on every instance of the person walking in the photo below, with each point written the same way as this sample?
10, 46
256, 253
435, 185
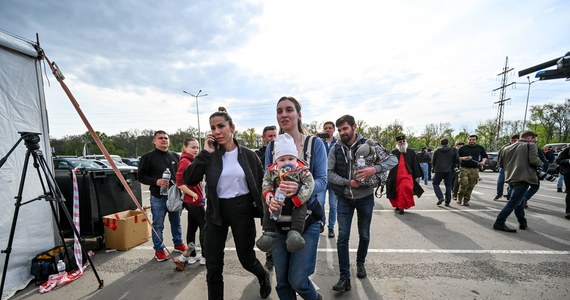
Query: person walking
456, 174
352, 196
425, 159
233, 182
269, 134
473, 157
403, 181
193, 202
329, 140
563, 160
445, 161
520, 161
501, 178
151, 167
292, 270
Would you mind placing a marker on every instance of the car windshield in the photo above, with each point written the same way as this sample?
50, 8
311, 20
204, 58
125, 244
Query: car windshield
81, 163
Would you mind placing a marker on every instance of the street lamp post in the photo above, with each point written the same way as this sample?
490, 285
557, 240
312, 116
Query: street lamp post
197, 112
527, 95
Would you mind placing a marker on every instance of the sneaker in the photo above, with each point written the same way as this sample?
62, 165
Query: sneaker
360, 271
180, 248
342, 285
192, 259
440, 201
496, 198
160, 255
331, 232
202, 261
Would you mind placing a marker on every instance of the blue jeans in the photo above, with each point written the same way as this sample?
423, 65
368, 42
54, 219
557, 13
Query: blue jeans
346, 209
447, 179
292, 270
514, 203
501, 183
425, 169
560, 182
531, 191
332, 205
159, 211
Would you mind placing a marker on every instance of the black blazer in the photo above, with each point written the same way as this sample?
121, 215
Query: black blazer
210, 165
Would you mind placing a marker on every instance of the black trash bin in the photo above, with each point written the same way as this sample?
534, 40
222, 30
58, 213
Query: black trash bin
100, 193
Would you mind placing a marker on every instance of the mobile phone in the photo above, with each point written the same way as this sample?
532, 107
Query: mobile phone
215, 144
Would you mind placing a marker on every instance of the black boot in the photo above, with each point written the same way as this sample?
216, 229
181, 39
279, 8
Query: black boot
342, 285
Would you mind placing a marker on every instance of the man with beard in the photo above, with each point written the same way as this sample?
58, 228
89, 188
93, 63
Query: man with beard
402, 183
473, 156
352, 196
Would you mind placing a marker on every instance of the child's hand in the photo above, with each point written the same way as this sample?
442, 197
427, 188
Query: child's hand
268, 198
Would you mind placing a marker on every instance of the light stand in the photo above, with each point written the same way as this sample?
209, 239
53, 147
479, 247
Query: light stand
51, 194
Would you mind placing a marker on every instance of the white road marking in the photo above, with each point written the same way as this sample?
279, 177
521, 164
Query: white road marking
424, 251
440, 210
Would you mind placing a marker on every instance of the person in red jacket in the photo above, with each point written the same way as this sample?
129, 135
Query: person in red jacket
193, 202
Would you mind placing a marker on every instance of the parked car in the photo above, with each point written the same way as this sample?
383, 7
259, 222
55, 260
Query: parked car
491, 163
68, 163
131, 162
120, 165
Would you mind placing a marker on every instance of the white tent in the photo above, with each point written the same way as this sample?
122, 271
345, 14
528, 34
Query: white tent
22, 109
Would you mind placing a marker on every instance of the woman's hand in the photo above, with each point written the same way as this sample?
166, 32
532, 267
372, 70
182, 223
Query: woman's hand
289, 187
209, 144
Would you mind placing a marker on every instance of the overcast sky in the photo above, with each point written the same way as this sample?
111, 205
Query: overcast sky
419, 62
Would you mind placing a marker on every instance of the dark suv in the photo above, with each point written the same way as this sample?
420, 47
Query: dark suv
492, 162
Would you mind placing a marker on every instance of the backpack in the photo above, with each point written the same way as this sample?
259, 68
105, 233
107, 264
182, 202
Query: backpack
175, 199
374, 154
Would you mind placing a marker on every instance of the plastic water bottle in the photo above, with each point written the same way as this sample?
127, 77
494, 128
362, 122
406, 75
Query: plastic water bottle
360, 162
279, 197
61, 267
165, 175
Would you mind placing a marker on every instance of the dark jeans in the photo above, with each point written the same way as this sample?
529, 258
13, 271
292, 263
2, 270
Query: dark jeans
567, 183
531, 191
196, 219
501, 183
237, 214
345, 209
514, 203
447, 181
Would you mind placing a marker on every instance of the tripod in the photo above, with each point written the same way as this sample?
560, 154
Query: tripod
52, 194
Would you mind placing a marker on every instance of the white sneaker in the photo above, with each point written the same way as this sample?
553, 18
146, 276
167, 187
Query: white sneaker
192, 259
202, 261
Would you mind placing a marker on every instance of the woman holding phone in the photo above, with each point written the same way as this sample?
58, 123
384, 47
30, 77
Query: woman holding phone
233, 180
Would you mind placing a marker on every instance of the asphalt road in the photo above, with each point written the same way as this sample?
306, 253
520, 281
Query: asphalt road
430, 252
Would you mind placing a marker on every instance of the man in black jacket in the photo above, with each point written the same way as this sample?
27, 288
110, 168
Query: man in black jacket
445, 162
151, 167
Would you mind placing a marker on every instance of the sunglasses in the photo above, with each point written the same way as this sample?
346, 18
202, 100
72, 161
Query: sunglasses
401, 142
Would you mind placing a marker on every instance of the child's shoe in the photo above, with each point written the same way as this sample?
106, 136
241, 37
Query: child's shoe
295, 241
265, 242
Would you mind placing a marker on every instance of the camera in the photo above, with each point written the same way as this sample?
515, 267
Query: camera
323, 135
545, 176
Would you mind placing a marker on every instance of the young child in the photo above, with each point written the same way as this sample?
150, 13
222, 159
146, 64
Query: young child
287, 167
